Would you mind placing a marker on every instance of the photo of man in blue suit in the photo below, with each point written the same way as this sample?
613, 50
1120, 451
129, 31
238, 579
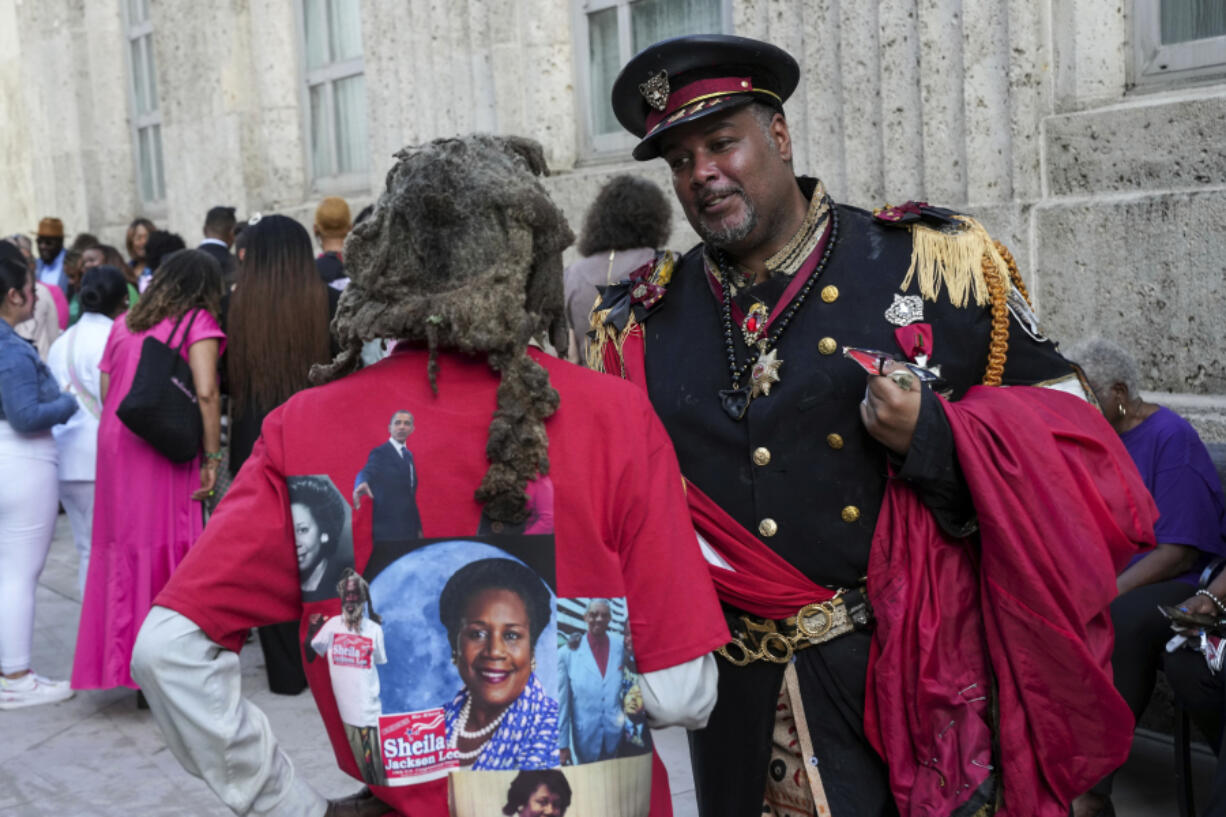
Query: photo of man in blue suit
389, 478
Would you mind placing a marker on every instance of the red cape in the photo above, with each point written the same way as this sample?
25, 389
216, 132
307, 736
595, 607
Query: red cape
1061, 509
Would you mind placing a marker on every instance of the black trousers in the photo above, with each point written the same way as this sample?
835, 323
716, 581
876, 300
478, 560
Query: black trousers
282, 658
730, 756
1141, 633
1203, 694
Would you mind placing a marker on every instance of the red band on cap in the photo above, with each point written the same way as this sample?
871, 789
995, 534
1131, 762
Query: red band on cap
695, 91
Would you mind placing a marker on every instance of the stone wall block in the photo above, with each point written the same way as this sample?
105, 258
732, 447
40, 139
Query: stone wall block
1151, 144
942, 97
1147, 272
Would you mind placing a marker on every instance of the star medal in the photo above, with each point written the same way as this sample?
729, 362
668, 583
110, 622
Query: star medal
754, 326
765, 371
906, 310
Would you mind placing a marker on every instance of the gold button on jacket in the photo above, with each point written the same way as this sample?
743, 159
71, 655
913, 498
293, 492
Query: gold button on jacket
830, 294
767, 527
761, 455
835, 441
851, 513
827, 346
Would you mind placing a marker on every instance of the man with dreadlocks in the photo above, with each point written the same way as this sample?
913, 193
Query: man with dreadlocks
806, 479
461, 260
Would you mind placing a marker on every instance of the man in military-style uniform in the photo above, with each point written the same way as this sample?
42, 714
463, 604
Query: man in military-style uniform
740, 343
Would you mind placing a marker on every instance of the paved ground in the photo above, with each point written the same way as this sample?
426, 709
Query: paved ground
98, 755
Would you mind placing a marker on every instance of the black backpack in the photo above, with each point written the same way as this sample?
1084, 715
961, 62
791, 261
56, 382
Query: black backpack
161, 406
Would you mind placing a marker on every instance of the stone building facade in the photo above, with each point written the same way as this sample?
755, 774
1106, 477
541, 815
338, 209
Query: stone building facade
1094, 150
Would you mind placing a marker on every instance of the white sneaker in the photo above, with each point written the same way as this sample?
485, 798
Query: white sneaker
32, 689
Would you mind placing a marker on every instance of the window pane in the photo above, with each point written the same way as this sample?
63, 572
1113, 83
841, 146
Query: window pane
144, 9
352, 151
655, 20
345, 23
321, 152
151, 73
159, 183
145, 150
139, 66
605, 62
1184, 20
315, 23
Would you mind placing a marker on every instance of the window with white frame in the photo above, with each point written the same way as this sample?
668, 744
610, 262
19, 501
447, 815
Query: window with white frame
1178, 39
335, 92
146, 117
613, 31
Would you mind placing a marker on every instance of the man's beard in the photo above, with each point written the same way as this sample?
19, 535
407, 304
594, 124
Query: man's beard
722, 237
353, 622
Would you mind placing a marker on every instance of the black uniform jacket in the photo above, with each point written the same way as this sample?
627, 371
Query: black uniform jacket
802, 459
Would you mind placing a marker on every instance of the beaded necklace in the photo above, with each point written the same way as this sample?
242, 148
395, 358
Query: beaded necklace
764, 368
462, 732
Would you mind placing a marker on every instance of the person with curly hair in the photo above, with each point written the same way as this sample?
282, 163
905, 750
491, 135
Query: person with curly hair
461, 262
538, 793
627, 223
146, 507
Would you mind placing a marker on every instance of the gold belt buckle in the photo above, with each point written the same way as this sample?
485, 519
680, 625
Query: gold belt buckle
816, 619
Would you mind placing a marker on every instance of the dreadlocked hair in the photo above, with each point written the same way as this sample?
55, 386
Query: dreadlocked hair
186, 280
463, 252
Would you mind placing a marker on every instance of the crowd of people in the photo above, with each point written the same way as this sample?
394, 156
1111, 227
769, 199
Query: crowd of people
77, 319
857, 513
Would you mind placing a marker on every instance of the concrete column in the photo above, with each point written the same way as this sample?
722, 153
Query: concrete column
821, 83
941, 94
901, 113
205, 87
985, 39
861, 75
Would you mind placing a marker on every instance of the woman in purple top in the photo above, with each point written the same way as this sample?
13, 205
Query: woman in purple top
1191, 527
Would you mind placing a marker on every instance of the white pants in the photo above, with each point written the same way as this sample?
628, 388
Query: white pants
77, 497
29, 499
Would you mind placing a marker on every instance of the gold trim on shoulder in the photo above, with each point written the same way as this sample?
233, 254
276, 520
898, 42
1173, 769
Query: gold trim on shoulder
953, 258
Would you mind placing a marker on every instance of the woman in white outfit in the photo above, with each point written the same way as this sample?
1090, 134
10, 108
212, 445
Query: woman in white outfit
30, 404
74, 359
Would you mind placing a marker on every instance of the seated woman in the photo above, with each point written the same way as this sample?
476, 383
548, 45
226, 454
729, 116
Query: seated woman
494, 610
1190, 531
540, 793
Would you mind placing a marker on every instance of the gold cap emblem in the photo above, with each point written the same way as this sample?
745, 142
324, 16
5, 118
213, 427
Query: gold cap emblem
655, 90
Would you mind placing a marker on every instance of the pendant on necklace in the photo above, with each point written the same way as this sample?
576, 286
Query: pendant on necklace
754, 326
765, 371
735, 401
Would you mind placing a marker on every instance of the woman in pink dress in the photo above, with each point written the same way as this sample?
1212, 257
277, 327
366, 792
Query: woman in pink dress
146, 509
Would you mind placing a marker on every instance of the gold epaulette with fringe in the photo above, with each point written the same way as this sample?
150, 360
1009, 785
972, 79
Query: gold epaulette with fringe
970, 265
636, 297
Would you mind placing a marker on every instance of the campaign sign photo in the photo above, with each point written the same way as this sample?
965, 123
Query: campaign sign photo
471, 671
414, 744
